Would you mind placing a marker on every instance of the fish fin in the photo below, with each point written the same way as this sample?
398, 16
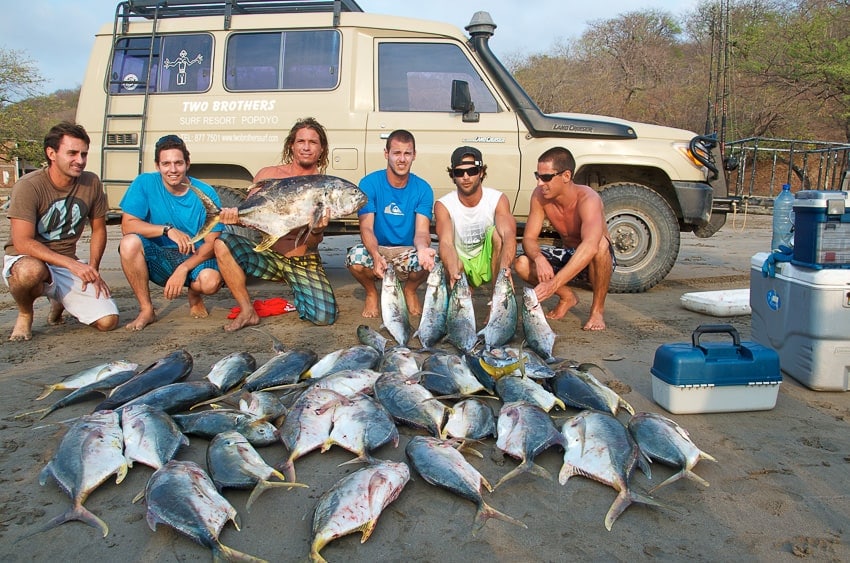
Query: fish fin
213, 217
622, 502
363, 458
48, 389
139, 496
221, 552
643, 462
266, 243
287, 467
315, 547
525, 466
277, 345
367, 530
703, 455
263, 486
45, 411
80, 513
485, 512
463, 448
222, 398
486, 484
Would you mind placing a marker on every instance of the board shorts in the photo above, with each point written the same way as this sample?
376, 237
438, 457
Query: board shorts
404, 259
313, 294
479, 270
67, 289
162, 261
558, 258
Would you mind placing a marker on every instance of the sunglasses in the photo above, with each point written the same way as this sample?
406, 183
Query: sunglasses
547, 177
472, 171
169, 139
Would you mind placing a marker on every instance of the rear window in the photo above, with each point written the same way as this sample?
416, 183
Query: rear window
418, 77
285, 60
169, 63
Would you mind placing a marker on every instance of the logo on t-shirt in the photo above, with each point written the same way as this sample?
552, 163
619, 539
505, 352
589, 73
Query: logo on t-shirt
393, 209
56, 224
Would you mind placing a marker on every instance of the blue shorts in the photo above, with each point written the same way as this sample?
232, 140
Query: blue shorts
163, 260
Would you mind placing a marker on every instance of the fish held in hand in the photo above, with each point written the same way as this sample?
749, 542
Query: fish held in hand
394, 312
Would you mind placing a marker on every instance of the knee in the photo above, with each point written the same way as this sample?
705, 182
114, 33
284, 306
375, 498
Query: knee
221, 248
29, 271
522, 266
208, 281
130, 245
107, 323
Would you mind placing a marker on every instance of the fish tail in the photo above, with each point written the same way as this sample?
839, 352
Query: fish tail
80, 513
213, 214
622, 502
703, 455
266, 243
362, 458
48, 389
315, 548
525, 466
287, 467
221, 552
263, 486
485, 512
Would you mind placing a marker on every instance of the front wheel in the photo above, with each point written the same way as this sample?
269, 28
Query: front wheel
645, 234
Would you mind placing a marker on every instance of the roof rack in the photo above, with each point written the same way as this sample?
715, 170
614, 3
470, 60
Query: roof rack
155, 9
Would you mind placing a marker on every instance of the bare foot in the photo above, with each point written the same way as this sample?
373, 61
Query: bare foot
54, 317
143, 320
564, 305
198, 311
370, 308
414, 307
595, 322
243, 319
23, 329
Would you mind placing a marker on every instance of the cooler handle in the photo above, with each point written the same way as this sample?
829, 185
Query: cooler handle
716, 329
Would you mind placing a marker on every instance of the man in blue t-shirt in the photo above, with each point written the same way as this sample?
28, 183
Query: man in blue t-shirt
161, 215
395, 226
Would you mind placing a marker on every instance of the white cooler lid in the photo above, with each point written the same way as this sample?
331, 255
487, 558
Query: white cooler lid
839, 277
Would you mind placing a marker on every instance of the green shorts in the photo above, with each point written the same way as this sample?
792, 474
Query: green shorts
479, 270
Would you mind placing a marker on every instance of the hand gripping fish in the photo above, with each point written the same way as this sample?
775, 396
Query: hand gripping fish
281, 205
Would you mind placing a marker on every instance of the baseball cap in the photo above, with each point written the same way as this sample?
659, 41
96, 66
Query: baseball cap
460, 152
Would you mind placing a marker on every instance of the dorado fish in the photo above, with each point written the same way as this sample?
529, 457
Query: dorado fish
175, 397
394, 313
350, 382
151, 436
443, 466
88, 376
281, 205
663, 440
234, 463
209, 423
599, 447
524, 431
399, 360
502, 323
538, 334
90, 452
170, 369
460, 319
181, 495
432, 325
355, 503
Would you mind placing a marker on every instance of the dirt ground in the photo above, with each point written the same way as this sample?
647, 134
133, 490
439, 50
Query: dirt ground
779, 491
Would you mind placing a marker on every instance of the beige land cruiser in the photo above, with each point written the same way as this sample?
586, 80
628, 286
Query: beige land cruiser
231, 77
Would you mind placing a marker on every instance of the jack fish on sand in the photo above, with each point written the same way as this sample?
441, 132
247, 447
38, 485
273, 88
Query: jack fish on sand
281, 205
599, 447
90, 452
355, 503
538, 334
181, 495
443, 466
88, 376
151, 436
526, 430
435, 308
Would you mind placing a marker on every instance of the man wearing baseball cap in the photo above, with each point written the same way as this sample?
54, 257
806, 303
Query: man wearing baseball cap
475, 227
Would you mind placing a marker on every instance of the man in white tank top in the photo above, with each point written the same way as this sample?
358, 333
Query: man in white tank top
475, 227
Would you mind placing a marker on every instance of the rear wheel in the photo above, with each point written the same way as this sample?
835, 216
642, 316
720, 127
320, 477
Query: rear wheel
645, 234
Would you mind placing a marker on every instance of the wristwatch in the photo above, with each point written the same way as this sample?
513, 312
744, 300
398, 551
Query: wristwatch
165, 230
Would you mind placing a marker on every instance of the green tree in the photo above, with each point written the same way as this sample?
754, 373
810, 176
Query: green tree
20, 119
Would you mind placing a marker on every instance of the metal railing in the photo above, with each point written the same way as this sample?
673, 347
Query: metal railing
758, 166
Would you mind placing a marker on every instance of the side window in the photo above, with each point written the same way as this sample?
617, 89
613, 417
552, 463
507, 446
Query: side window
288, 60
418, 77
177, 63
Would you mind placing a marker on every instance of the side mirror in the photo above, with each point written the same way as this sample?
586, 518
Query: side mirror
462, 101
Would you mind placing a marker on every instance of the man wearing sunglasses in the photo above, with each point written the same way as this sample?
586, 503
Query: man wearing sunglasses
576, 213
161, 214
475, 226
395, 226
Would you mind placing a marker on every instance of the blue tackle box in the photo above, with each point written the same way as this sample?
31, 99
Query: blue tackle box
709, 376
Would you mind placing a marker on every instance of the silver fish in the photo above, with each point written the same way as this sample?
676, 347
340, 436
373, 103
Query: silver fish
411, 403
361, 426
180, 494
355, 503
460, 320
514, 387
231, 370
399, 360
102, 387
88, 376
371, 337
502, 323
209, 423
471, 419
262, 404
454, 367
350, 382
175, 397
432, 325
234, 463
525, 430
443, 466
281, 205
285, 368
538, 334
90, 452
307, 425
169, 369
663, 440
394, 313
151, 436
599, 447
361, 356
577, 387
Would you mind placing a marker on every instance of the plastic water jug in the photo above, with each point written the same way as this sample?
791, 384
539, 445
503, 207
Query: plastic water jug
783, 219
